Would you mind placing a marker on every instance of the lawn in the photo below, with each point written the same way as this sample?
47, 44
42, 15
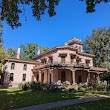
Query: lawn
13, 98
97, 105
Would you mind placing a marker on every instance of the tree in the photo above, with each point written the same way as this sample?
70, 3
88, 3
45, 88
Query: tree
3, 55
91, 4
11, 52
11, 9
44, 49
31, 50
99, 45
1, 31
28, 51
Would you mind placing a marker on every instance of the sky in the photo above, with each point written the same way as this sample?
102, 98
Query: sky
70, 21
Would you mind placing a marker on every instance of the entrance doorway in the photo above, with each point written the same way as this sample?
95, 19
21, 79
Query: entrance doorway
63, 76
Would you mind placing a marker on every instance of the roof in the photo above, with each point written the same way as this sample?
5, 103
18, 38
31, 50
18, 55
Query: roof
99, 69
55, 49
75, 40
21, 61
62, 48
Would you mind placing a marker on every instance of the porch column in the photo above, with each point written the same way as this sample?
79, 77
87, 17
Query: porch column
39, 76
73, 76
98, 78
88, 77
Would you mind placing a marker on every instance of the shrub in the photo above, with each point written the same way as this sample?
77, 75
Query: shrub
82, 87
108, 87
20, 86
101, 87
35, 86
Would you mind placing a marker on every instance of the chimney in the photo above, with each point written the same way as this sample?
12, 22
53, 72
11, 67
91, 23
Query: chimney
18, 53
39, 52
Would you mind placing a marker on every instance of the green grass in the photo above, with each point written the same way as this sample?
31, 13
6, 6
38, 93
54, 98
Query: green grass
13, 98
97, 105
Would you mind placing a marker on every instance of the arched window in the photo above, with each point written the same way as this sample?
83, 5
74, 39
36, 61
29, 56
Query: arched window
24, 77
13, 66
11, 76
25, 67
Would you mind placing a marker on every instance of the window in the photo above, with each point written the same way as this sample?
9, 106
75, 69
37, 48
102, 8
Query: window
62, 59
72, 59
43, 61
24, 77
25, 67
51, 60
13, 66
79, 49
11, 76
77, 61
87, 62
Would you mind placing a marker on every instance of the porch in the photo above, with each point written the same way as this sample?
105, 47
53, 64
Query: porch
71, 75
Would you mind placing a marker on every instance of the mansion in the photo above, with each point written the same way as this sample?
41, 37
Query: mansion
62, 63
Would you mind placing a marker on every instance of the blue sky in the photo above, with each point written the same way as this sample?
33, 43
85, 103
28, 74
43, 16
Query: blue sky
70, 21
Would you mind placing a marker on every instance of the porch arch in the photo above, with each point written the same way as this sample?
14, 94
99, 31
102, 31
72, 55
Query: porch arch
81, 76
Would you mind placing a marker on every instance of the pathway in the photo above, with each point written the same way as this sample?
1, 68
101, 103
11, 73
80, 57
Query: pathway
61, 103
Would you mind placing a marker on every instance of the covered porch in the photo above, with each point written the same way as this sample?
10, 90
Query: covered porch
73, 76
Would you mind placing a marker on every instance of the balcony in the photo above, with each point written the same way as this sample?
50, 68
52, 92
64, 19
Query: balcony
59, 63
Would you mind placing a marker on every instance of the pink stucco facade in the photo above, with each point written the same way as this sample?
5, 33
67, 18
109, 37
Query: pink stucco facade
62, 63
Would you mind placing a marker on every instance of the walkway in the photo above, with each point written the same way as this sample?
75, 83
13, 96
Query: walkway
60, 103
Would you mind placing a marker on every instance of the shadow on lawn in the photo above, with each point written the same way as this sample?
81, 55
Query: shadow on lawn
14, 98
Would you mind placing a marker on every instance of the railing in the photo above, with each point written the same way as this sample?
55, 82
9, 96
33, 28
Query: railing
63, 63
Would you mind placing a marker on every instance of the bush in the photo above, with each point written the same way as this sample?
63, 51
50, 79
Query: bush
108, 88
25, 86
82, 87
35, 86
101, 87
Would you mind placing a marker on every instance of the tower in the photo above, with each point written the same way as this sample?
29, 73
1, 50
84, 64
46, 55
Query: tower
76, 43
